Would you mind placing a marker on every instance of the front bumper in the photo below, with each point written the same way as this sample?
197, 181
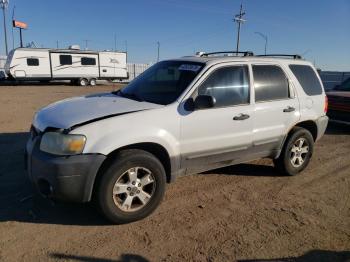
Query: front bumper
69, 178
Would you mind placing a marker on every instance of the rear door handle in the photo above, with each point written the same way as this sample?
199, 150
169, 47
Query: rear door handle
289, 109
241, 117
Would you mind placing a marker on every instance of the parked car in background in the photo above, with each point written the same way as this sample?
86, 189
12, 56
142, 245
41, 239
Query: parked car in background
339, 103
179, 117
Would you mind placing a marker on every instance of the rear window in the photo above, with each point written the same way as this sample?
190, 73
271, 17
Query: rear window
32, 61
65, 59
88, 61
307, 79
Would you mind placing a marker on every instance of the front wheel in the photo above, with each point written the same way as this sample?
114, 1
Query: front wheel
296, 153
83, 82
132, 187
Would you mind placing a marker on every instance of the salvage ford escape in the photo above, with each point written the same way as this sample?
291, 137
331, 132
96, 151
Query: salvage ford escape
179, 117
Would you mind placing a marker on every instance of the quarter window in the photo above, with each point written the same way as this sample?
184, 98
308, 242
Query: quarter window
65, 59
228, 85
32, 61
270, 83
307, 79
88, 61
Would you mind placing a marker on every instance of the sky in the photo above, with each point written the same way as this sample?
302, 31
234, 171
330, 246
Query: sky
317, 29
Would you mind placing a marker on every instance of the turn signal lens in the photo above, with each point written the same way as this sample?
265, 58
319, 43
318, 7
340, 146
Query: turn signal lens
326, 105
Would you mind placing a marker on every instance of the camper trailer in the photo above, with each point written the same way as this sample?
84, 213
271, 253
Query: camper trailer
82, 67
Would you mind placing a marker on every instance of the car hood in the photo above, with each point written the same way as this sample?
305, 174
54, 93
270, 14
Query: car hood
80, 110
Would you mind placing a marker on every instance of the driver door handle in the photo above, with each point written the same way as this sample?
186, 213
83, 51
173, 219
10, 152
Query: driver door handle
288, 109
241, 117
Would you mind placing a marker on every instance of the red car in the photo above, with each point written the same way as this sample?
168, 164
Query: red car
339, 103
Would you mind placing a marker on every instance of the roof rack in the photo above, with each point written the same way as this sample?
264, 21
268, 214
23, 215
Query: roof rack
282, 55
245, 53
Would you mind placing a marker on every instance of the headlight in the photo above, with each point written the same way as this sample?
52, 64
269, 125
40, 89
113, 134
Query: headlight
62, 144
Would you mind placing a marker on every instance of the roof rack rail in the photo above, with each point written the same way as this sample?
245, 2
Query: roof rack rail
282, 55
245, 53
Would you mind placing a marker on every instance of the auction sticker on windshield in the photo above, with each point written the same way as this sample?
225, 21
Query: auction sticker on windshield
187, 67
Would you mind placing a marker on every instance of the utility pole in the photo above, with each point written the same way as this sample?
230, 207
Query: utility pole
4, 4
239, 20
265, 38
158, 45
13, 34
115, 42
57, 44
86, 43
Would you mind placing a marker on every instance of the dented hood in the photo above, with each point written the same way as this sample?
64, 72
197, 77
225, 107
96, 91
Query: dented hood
79, 110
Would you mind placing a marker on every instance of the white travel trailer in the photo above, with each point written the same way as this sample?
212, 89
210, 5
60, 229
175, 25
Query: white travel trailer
80, 66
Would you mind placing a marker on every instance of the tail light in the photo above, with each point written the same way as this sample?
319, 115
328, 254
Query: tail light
326, 104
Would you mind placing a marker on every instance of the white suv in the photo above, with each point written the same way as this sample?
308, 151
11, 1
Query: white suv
179, 117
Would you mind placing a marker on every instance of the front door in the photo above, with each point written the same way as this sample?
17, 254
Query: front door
224, 132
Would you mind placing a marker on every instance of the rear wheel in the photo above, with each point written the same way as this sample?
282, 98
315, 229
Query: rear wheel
296, 153
83, 82
132, 187
93, 82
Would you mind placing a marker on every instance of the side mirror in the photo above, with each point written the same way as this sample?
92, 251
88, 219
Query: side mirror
204, 101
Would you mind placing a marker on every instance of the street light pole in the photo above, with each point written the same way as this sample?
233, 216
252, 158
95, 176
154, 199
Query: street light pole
265, 38
4, 4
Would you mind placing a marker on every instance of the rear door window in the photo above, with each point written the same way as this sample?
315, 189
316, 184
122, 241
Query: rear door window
270, 83
307, 79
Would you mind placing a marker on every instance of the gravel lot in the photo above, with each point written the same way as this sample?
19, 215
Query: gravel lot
240, 213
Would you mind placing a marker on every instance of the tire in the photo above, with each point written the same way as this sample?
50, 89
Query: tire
92, 82
116, 187
83, 82
294, 158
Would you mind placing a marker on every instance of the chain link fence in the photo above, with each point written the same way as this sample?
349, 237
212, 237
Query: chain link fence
332, 78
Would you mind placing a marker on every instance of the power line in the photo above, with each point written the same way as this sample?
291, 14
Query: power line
239, 20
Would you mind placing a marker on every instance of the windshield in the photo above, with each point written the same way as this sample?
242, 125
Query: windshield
345, 86
162, 83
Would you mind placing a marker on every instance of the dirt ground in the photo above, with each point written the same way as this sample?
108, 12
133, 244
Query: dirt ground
240, 213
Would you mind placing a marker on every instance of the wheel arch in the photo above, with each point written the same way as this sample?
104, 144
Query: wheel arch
155, 149
309, 125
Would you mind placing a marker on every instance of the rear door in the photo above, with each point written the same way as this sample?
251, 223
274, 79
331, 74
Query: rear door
276, 107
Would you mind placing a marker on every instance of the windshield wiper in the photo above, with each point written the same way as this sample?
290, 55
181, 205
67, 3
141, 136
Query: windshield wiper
126, 95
